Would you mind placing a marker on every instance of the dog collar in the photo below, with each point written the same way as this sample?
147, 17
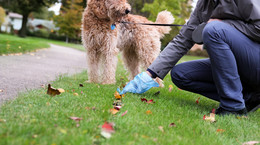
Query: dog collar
113, 26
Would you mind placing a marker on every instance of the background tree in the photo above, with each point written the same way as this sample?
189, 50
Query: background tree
25, 7
180, 9
2, 17
43, 13
69, 20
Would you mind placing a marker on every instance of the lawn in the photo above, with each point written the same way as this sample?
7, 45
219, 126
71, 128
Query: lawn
37, 118
10, 44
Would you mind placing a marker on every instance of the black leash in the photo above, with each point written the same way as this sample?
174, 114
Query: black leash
153, 24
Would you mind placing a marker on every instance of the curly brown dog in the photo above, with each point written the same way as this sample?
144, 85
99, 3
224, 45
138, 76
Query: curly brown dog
139, 44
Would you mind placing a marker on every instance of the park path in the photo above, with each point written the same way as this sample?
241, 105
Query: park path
32, 70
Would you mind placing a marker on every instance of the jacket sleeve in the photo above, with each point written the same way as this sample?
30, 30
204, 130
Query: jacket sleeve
178, 47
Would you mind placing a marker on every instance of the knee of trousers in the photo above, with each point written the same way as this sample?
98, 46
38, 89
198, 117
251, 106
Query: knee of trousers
177, 77
212, 32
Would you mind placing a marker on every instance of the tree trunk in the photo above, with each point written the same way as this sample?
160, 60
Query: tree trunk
67, 39
22, 31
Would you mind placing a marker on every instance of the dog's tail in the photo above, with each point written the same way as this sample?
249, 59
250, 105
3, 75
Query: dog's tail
164, 17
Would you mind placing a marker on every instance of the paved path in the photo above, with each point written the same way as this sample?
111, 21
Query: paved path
30, 71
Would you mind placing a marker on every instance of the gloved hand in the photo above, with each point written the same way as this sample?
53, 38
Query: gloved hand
140, 84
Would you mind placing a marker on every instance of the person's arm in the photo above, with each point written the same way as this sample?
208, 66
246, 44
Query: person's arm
178, 47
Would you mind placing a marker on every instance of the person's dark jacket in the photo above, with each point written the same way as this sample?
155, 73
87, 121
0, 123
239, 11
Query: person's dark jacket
244, 15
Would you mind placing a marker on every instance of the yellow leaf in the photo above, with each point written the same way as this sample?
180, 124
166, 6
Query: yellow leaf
61, 90
63, 131
75, 94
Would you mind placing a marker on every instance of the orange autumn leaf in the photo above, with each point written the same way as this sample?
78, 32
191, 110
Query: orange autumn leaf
221, 130
113, 111
148, 112
117, 95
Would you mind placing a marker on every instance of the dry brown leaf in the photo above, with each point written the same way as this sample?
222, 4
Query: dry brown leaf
172, 125
52, 91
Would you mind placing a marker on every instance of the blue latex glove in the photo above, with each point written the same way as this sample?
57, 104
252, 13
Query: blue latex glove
140, 84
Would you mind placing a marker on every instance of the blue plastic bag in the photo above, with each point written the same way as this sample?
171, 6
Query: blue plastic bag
140, 84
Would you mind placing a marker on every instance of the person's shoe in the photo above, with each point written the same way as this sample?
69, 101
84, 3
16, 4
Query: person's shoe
221, 112
253, 103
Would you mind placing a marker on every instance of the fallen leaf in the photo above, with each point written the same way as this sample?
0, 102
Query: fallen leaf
114, 111
161, 128
75, 94
2, 120
213, 110
172, 125
117, 95
107, 129
124, 113
170, 88
221, 130
117, 103
157, 93
52, 91
34, 136
61, 90
63, 131
150, 101
117, 107
76, 118
197, 101
90, 108
242, 117
210, 118
251, 143
148, 112
81, 85
143, 100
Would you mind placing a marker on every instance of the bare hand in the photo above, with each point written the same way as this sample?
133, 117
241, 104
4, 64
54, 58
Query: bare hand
210, 20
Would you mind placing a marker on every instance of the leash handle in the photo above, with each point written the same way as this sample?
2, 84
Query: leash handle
153, 24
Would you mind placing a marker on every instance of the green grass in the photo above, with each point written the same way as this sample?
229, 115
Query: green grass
10, 44
37, 118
